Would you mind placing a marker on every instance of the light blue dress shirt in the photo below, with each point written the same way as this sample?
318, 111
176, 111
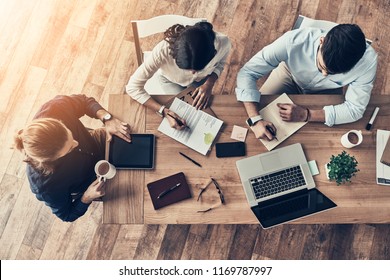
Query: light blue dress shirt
298, 49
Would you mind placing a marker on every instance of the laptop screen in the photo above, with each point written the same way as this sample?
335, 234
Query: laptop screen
291, 206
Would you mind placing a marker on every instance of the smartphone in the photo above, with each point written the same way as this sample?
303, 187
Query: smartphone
230, 149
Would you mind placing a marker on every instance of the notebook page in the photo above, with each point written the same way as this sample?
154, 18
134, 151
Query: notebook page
284, 129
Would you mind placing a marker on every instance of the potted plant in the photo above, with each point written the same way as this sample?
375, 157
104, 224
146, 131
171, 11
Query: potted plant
341, 168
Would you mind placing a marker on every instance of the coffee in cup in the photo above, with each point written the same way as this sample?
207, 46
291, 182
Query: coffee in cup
352, 138
104, 170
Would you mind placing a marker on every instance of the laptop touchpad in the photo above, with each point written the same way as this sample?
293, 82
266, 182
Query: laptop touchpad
271, 161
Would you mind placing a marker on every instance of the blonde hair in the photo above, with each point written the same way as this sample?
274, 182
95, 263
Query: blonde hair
41, 141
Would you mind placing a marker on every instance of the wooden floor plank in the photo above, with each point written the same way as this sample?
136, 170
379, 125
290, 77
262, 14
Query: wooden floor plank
127, 242
150, 242
266, 247
173, 243
317, 242
103, 242
196, 247
291, 242
244, 242
380, 249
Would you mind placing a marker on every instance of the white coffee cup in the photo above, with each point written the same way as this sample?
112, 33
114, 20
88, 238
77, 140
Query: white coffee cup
104, 170
352, 138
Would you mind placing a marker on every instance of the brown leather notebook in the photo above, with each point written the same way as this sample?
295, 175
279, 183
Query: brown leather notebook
169, 190
385, 159
185, 96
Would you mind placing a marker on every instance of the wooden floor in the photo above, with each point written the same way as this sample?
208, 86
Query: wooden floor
66, 46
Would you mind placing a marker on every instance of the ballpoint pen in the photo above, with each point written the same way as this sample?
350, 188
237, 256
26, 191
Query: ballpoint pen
190, 159
168, 190
179, 122
372, 119
272, 131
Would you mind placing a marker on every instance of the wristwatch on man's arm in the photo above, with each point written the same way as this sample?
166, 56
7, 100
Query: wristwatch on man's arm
253, 120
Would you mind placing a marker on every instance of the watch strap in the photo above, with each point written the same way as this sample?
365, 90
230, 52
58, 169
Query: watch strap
253, 120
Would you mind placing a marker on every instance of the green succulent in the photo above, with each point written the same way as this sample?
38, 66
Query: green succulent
342, 167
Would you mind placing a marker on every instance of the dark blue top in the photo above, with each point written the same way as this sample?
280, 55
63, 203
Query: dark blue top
74, 172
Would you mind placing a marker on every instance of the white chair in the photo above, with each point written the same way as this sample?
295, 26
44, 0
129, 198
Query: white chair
148, 27
303, 22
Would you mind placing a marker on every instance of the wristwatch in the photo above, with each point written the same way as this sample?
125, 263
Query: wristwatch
106, 117
253, 120
160, 112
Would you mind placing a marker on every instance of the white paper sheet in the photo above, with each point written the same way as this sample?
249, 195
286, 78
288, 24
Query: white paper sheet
203, 127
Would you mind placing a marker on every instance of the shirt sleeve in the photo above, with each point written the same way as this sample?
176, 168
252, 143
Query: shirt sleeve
76, 105
136, 85
59, 199
260, 65
225, 49
356, 99
64, 208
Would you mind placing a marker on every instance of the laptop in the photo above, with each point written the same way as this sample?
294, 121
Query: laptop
139, 154
279, 186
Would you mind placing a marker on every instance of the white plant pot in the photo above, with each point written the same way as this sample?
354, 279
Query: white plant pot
326, 171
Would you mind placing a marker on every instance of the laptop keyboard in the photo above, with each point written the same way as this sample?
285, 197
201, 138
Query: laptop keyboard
278, 182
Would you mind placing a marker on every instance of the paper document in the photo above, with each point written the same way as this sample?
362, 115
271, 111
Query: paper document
203, 127
382, 170
284, 129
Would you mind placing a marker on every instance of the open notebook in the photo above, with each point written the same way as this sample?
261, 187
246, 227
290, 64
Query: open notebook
284, 129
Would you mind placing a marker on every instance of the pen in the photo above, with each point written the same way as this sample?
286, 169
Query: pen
168, 190
272, 131
190, 159
179, 122
372, 119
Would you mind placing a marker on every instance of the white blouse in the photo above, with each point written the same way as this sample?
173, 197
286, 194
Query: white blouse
160, 59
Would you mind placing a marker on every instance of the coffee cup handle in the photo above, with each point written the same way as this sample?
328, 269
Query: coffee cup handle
102, 178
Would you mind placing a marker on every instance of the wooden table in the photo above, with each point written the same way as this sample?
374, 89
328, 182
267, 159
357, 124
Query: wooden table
128, 201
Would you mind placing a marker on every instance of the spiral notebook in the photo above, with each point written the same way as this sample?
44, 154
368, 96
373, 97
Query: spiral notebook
179, 193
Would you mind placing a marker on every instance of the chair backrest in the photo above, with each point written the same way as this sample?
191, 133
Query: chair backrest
303, 22
148, 27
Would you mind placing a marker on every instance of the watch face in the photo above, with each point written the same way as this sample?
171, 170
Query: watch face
107, 117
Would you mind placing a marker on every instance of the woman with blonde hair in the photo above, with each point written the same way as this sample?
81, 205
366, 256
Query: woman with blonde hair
61, 153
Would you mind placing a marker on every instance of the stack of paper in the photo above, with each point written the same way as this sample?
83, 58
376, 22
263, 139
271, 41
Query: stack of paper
382, 170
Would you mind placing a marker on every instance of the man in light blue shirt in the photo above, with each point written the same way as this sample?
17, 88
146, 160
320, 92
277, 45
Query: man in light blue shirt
309, 60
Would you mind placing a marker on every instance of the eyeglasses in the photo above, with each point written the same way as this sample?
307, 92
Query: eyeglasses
221, 197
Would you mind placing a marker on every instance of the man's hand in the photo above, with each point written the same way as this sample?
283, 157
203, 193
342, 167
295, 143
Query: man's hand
95, 190
118, 128
292, 112
174, 120
260, 130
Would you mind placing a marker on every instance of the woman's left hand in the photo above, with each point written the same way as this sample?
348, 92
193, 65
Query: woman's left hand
118, 128
202, 96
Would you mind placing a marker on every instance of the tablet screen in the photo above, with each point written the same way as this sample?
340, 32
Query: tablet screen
139, 154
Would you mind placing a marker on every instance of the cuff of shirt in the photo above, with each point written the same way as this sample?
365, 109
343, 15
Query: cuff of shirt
96, 107
330, 115
247, 95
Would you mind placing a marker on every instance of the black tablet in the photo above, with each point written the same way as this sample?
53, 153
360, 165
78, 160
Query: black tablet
139, 154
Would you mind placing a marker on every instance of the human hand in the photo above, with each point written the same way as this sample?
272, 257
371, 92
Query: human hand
175, 121
201, 96
95, 190
118, 128
292, 112
260, 130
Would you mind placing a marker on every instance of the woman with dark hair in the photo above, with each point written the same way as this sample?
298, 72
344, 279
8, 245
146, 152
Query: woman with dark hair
188, 56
